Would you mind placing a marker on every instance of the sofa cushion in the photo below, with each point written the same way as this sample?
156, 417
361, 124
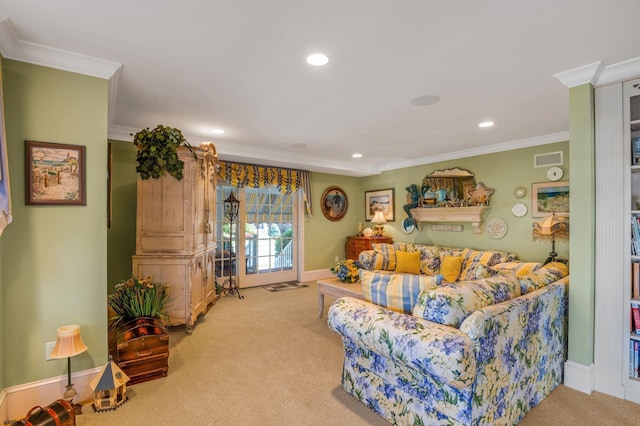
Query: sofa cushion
518, 268
429, 259
450, 268
397, 292
386, 256
451, 304
543, 276
408, 263
475, 263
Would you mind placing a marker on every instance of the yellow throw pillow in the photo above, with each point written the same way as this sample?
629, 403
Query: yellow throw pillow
450, 268
409, 263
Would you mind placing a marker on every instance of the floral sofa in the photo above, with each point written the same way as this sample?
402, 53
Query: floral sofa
468, 352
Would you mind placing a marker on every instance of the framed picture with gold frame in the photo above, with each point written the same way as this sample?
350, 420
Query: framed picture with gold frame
334, 203
379, 200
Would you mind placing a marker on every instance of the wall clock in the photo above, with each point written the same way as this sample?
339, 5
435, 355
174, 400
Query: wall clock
554, 174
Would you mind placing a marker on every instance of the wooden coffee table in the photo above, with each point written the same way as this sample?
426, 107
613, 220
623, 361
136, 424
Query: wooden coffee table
335, 288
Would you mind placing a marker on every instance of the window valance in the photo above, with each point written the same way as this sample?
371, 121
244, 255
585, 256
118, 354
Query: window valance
254, 176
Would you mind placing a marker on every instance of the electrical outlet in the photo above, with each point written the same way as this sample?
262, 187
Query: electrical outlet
48, 348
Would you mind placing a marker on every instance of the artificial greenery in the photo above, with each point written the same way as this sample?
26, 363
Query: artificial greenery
157, 152
137, 298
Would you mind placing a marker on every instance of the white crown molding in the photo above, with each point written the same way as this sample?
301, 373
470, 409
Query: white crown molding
13, 48
599, 74
619, 71
582, 75
490, 149
270, 157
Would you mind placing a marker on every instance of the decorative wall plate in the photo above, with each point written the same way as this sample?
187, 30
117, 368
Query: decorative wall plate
554, 174
408, 225
519, 209
519, 192
496, 228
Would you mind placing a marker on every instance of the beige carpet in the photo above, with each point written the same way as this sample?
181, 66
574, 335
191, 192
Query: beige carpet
268, 360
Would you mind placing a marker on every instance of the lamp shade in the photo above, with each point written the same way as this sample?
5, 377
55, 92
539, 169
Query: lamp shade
378, 217
551, 228
68, 342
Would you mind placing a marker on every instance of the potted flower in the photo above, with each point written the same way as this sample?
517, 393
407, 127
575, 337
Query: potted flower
347, 270
157, 152
139, 298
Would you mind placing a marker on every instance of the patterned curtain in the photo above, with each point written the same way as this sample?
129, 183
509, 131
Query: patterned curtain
286, 180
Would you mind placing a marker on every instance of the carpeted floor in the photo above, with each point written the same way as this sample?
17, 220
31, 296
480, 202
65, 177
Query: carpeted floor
268, 360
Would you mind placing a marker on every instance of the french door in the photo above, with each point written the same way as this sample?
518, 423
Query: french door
261, 247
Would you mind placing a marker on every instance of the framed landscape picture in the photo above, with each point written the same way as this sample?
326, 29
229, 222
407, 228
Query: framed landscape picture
548, 198
55, 174
381, 199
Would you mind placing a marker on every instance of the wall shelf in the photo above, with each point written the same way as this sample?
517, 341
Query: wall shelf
471, 214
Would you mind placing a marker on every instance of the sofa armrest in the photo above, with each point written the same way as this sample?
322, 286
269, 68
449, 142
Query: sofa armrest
440, 351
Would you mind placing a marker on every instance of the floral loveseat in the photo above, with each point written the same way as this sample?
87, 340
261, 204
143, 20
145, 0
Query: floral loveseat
469, 352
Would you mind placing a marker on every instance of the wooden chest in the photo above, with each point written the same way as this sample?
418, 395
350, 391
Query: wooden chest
356, 244
143, 349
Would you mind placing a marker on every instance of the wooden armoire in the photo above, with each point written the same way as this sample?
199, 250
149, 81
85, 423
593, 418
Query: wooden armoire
175, 235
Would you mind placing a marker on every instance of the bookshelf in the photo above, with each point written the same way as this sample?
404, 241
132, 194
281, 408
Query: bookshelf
631, 106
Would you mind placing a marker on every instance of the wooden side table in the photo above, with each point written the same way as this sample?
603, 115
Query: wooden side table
335, 288
356, 244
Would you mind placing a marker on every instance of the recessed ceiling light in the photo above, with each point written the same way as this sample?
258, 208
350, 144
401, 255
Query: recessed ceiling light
217, 131
425, 100
317, 59
357, 155
486, 124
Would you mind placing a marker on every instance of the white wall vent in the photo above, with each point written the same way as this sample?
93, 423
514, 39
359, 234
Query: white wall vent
548, 159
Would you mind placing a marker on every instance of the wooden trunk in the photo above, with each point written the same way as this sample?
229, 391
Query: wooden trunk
142, 349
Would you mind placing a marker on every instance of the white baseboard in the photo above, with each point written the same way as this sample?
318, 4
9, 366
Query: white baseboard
318, 274
16, 401
579, 377
613, 389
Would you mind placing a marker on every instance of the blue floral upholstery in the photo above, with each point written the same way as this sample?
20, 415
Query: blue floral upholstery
452, 303
502, 361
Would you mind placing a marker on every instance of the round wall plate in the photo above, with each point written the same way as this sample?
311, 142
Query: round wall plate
408, 225
519, 209
496, 228
554, 174
519, 192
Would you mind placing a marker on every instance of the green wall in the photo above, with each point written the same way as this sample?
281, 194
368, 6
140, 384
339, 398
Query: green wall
502, 171
121, 236
582, 291
53, 264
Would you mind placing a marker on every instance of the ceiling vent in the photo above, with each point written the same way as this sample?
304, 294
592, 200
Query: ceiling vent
548, 159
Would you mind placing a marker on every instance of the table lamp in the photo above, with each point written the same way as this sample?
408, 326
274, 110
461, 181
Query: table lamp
69, 343
378, 219
551, 228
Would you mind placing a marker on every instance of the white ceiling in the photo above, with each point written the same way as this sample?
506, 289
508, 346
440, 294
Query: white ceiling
240, 65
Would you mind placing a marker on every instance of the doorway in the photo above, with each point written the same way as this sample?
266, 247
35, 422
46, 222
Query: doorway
261, 248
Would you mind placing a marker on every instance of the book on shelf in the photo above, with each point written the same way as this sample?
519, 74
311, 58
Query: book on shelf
635, 280
634, 355
635, 142
635, 314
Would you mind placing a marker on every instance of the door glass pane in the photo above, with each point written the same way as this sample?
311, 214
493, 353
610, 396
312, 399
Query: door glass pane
269, 242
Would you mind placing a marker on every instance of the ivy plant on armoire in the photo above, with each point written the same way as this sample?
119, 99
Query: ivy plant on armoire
175, 239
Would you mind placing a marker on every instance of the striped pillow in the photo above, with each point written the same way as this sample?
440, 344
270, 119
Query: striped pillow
397, 292
387, 259
518, 268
